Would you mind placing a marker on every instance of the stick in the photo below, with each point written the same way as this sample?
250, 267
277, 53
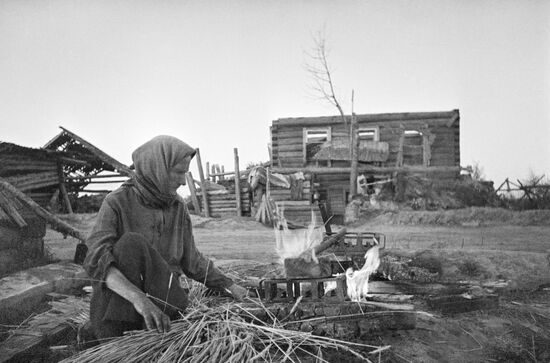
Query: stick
54, 221
331, 240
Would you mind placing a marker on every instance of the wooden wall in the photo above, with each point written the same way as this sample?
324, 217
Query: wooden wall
437, 146
225, 205
287, 137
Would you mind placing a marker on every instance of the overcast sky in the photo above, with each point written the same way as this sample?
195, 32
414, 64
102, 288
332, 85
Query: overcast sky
216, 73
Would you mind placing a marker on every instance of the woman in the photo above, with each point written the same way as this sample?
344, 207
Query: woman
142, 242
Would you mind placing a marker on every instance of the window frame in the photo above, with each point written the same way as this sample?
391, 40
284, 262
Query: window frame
305, 131
376, 130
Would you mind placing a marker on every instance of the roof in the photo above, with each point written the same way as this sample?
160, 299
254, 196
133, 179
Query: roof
448, 117
70, 142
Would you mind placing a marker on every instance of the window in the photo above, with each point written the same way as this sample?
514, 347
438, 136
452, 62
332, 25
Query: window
413, 147
368, 134
313, 141
412, 133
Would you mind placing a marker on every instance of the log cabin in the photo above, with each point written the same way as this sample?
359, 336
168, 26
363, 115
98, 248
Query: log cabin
418, 142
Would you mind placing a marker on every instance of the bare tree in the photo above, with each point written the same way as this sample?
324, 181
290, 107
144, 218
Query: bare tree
323, 86
321, 73
477, 173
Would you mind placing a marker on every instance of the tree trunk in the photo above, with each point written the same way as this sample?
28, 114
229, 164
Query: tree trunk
354, 146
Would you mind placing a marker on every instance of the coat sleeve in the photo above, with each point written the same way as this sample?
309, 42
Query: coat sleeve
196, 266
100, 243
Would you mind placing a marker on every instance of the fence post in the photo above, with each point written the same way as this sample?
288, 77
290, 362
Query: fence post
203, 185
193, 191
237, 183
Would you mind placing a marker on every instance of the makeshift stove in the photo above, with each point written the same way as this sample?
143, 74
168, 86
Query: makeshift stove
322, 278
322, 271
314, 289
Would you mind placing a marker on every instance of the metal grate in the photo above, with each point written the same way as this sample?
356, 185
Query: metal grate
308, 288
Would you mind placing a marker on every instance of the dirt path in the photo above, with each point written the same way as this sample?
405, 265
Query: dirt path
519, 331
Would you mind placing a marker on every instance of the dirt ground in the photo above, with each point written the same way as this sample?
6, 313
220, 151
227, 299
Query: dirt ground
478, 251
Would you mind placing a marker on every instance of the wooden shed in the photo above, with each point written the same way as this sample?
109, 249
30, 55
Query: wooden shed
34, 171
389, 143
65, 166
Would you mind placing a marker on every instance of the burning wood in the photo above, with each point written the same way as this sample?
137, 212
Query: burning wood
298, 249
296, 243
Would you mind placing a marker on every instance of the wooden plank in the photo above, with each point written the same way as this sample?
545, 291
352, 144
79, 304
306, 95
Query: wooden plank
203, 184
363, 168
225, 209
228, 196
215, 204
20, 167
290, 147
237, 183
63, 190
83, 178
193, 192
34, 184
288, 132
432, 117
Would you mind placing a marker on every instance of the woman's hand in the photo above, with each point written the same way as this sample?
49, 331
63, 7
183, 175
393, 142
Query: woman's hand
154, 318
152, 315
238, 292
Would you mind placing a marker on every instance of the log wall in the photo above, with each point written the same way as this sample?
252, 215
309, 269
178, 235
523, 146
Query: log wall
437, 146
287, 137
224, 205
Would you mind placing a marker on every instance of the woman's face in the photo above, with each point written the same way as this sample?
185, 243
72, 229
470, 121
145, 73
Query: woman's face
176, 175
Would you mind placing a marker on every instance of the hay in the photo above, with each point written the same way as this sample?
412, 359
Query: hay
219, 333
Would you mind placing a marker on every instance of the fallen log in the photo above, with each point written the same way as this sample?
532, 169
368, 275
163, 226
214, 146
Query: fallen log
56, 223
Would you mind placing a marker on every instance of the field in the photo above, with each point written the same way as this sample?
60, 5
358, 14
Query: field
494, 246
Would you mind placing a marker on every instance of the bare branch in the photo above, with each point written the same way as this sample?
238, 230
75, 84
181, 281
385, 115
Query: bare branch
321, 73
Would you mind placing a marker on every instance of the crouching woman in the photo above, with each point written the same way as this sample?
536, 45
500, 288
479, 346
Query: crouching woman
142, 242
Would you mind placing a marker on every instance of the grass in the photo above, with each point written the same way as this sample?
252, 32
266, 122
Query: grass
226, 332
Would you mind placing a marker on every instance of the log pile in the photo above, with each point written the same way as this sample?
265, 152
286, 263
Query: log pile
223, 203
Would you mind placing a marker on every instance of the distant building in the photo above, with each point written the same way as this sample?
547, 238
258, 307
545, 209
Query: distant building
390, 143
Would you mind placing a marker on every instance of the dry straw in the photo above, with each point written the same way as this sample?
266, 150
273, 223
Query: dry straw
227, 332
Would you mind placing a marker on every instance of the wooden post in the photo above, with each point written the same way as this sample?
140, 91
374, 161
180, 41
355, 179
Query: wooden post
203, 185
53, 200
62, 188
193, 191
213, 172
207, 176
237, 183
354, 157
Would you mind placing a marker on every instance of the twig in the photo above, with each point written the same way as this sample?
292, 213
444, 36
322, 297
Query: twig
477, 341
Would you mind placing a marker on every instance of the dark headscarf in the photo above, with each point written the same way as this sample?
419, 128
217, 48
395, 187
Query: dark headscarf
153, 161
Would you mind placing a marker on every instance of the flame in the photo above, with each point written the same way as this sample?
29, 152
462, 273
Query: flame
358, 281
291, 243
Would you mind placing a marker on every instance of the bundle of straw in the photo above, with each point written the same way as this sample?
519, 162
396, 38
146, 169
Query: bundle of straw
222, 333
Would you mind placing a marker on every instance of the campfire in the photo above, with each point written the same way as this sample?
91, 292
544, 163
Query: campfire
301, 252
